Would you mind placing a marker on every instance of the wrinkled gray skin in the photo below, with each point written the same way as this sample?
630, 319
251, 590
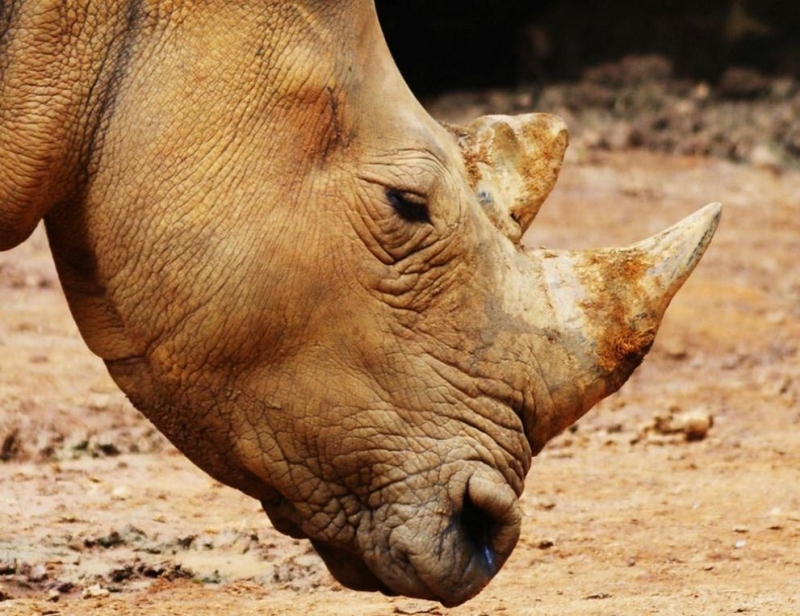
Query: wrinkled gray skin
311, 287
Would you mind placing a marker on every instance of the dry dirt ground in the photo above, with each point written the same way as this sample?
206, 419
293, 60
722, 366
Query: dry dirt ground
99, 515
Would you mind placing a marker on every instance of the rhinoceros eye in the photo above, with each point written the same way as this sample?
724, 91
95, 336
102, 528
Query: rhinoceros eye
409, 206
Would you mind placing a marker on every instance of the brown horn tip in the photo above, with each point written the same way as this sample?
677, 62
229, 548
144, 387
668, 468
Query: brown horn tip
607, 306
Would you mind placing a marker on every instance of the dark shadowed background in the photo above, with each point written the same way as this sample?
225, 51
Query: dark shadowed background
718, 78
447, 44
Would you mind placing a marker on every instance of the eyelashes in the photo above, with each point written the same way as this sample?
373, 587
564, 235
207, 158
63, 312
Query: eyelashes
409, 206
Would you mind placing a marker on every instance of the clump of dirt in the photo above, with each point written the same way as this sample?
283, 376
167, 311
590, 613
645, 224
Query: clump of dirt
24, 439
639, 103
676, 425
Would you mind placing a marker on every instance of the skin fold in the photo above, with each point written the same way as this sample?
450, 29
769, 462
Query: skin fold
312, 288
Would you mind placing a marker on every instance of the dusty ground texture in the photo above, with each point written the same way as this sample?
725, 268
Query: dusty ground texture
624, 514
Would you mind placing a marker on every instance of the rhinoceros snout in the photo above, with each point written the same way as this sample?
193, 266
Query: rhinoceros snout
482, 534
448, 549
445, 548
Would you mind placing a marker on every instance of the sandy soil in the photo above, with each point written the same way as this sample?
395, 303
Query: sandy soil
100, 515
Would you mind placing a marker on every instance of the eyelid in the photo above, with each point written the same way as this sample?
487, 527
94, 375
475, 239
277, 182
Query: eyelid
417, 198
417, 184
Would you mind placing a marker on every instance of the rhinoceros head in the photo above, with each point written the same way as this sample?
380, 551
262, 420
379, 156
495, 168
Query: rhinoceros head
317, 292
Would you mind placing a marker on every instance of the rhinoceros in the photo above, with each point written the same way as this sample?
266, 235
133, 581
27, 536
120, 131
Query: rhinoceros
317, 292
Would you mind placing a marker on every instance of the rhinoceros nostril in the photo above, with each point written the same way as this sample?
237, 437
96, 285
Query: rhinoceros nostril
490, 520
479, 528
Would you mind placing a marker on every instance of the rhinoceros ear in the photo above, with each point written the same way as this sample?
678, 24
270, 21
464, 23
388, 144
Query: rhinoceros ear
512, 163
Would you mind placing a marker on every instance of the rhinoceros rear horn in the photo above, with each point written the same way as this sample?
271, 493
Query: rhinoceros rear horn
512, 163
606, 306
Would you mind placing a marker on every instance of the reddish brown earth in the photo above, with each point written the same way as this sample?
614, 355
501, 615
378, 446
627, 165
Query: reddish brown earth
99, 515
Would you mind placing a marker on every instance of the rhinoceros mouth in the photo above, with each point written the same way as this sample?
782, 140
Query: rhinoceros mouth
350, 570
279, 512
347, 567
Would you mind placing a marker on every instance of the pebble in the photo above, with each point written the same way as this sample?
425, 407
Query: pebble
121, 493
763, 157
545, 504
694, 424
95, 592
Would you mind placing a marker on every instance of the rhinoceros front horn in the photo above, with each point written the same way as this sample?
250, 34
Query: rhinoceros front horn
597, 312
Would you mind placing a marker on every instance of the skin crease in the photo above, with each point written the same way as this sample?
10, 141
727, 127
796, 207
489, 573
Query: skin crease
221, 195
